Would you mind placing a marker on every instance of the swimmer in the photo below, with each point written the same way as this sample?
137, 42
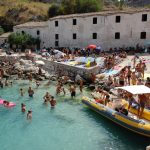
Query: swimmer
21, 92
5, 103
73, 90
6, 82
52, 102
81, 85
30, 92
23, 107
29, 115
47, 97
37, 83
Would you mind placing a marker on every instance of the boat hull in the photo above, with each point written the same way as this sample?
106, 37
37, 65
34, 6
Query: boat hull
131, 124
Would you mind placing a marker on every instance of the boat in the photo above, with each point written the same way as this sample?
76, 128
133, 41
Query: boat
130, 121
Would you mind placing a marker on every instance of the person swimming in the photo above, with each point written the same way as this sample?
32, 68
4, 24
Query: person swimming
23, 107
47, 97
29, 115
73, 90
52, 102
21, 92
30, 92
5, 103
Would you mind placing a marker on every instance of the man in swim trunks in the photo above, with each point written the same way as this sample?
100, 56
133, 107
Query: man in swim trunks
73, 90
29, 115
30, 92
142, 102
23, 107
52, 102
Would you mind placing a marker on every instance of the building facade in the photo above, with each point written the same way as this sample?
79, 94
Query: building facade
107, 29
36, 30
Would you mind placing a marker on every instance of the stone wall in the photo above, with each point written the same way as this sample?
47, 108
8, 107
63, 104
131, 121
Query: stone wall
57, 68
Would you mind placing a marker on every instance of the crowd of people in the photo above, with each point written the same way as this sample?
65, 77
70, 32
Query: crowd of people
132, 74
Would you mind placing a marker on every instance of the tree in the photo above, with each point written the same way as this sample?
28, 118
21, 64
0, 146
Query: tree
53, 10
1, 30
22, 39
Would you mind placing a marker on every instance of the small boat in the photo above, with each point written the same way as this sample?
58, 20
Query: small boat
129, 121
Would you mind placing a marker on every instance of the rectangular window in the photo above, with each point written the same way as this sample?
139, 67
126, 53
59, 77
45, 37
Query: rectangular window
117, 35
56, 23
94, 20
56, 36
118, 18
56, 43
143, 35
38, 32
74, 36
144, 17
74, 21
94, 35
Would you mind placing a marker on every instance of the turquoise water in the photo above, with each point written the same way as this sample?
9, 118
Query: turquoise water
70, 126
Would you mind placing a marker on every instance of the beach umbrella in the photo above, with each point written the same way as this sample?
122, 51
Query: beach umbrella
39, 62
91, 46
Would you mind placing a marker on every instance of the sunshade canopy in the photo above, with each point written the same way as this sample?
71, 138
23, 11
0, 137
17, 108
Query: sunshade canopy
136, 89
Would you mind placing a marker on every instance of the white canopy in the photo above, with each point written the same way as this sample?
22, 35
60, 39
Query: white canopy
136, 89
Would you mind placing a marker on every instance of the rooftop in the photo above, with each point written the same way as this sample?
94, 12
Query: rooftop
32, 24
102, 13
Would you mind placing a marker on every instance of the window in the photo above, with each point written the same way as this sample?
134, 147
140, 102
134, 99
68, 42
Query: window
38, 32
118, 18
95, 20
56, 23
143, 35
56, 36
56, 43
74, 36
144, 17
117, 35
94, 35
22, 32
74, 21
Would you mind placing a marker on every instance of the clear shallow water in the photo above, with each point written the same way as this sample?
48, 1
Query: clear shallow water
70, 126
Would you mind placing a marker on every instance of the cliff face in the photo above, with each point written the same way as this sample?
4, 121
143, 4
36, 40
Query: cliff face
20, 11
138, 3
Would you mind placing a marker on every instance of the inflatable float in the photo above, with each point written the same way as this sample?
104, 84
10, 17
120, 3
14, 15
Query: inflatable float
11, 104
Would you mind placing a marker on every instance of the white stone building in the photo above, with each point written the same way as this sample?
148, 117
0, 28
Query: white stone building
106, 29
4, 38
36, 29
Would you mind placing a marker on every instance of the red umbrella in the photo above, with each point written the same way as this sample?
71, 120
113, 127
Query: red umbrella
92, 46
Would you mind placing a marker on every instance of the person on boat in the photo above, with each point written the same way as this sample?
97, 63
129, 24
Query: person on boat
142, 102
132, 101
23, 107
121, 109
107, 100
73, 90
29, 115
47, 97
52, 102
30, 92
21, 92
